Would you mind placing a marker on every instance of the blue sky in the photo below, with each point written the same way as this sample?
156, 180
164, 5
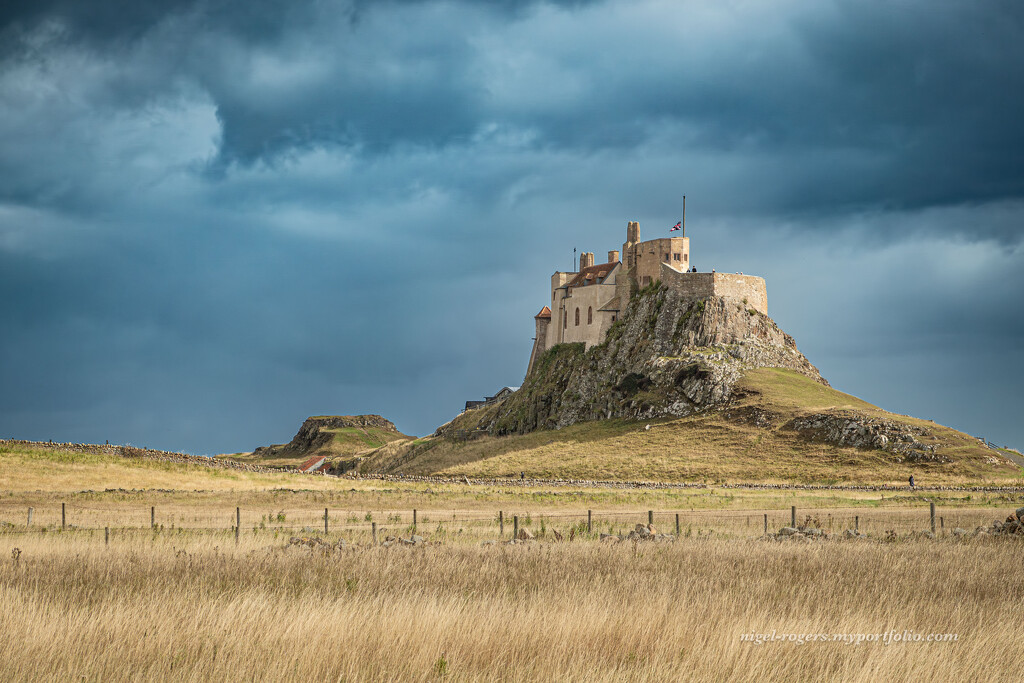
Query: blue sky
219, 217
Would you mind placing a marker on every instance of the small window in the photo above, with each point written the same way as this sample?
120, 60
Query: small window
675, 257
686, 257
613, 317
577, 317
590, 315
667, 257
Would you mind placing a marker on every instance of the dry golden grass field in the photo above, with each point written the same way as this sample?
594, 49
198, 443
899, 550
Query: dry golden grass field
196, 608
184, 601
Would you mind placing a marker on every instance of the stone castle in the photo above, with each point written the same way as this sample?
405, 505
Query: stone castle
585, 304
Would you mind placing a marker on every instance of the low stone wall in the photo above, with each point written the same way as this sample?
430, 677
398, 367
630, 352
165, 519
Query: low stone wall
146, 454
656, 485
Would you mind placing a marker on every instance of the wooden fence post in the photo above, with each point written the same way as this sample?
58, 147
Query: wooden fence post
515, 526
766, 523
931, 508
63, 517
30, 517
106, 535
650, 517
414, 519
327, 527
238, 524
792, 516
677, 524
152, 517
373, 530
501, 523
590, 520
856, 523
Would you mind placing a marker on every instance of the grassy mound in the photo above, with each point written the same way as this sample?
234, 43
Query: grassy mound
749, 440
342, 445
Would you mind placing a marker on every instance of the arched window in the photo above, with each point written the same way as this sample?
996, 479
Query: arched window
590, 315
577, 317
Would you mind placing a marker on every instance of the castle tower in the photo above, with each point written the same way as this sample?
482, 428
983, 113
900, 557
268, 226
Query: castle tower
632, 239
543, 319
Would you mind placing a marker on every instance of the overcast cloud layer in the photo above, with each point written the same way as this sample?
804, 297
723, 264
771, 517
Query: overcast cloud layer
219, 217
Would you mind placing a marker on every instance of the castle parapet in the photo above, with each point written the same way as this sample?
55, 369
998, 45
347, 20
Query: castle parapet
748, 291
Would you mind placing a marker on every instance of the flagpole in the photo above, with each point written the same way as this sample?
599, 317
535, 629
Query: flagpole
684, 215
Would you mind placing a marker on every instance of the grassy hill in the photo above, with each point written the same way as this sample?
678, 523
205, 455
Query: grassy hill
751, 439
343, 439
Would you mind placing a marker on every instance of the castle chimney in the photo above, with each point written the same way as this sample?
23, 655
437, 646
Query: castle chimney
613, 256
633, 232
586, 259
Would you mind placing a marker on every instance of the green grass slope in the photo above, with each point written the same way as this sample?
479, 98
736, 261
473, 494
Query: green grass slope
750, 440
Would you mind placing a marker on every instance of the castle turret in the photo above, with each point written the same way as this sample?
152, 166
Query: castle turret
543, 319
632, 239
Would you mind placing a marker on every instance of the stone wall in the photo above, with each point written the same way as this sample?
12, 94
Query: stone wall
748, 291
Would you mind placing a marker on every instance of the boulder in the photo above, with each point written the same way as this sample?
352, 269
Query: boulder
610, 538
1020, 514
788, 531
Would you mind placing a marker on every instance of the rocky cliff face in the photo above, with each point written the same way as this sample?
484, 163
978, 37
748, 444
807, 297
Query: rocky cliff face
664, 357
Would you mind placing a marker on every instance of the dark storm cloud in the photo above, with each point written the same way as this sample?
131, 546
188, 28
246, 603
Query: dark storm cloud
218, 217
904, 105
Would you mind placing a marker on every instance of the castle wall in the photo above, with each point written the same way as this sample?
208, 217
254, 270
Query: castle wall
730, 286
584, 298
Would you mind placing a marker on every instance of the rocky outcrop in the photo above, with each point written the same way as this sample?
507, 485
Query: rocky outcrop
666, 356
312, 434
862, 431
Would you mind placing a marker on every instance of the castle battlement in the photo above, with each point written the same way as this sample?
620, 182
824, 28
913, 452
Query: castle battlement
585, 304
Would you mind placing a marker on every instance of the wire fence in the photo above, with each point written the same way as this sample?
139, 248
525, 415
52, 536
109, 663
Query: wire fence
496, 523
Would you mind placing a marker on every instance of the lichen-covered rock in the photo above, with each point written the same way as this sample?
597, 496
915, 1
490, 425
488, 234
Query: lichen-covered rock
666, 357
862, 431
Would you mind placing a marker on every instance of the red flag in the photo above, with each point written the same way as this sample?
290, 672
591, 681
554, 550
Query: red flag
677, 226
